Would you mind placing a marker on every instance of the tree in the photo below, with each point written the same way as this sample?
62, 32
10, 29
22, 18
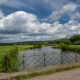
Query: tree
63, 46
63, 40
77, 43
75, 38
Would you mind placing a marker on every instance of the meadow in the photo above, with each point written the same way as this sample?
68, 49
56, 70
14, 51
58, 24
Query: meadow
9, 56
5, 49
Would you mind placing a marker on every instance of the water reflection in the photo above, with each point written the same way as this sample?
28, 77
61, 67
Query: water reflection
35, 58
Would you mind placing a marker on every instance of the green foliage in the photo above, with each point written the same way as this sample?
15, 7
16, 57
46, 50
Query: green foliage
38, 45
74, 48
77, 43
9, 62
64, 40
75, 38
67, 47
24, 47
63, 46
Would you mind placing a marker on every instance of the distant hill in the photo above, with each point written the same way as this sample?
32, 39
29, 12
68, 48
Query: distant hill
73, 40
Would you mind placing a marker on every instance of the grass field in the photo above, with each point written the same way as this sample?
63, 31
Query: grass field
5, 49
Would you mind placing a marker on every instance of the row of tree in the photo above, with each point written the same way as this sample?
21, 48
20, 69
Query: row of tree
73, 40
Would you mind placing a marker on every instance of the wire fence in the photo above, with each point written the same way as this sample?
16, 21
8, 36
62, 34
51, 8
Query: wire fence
46, 59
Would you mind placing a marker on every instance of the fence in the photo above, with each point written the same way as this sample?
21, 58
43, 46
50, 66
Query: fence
46, 59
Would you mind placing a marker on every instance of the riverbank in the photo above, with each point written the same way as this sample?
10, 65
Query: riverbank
69, 48
5, 49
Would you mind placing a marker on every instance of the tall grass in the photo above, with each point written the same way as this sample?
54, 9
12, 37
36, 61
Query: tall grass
9, 62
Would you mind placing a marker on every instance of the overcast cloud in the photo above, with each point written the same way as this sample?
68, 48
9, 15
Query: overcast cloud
23, 26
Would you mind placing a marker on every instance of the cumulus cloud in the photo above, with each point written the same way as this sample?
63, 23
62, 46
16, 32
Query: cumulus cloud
68, 8
23, 26
17, 22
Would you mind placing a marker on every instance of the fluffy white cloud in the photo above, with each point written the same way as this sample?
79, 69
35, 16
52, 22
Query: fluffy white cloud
18, 21
68, 8
23, 26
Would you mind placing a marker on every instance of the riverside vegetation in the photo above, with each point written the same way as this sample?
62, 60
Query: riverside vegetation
9, 61
9, 56
66, 47
71, 44
9, 52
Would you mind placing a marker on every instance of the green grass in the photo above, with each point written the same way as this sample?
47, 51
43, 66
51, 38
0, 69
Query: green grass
75, 48
47, 72
4, 49
25, 47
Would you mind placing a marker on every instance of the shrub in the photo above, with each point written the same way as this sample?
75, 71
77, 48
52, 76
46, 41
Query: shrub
38, 45
9, 62
77, 43
63, 46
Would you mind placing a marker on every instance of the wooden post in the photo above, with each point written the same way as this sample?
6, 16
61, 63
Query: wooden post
44, 60
61, 57
76, 57
23, 62
6, 63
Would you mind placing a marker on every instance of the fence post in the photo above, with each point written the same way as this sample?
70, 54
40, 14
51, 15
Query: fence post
6, 63
61, 57
76, 57
44, 59
23, 62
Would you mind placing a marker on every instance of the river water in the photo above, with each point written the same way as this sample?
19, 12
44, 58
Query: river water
46, 56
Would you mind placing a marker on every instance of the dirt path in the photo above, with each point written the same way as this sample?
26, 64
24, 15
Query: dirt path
6, 76
66, 75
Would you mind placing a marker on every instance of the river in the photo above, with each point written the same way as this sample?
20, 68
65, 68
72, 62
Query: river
46, 56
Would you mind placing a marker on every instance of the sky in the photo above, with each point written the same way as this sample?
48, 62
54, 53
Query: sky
38, 20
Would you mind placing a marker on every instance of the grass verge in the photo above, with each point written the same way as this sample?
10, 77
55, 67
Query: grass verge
46, 72
69, 48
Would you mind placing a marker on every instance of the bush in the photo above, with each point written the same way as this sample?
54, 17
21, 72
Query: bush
63, 46
77, 43
38, 45
69, 47
9, 62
